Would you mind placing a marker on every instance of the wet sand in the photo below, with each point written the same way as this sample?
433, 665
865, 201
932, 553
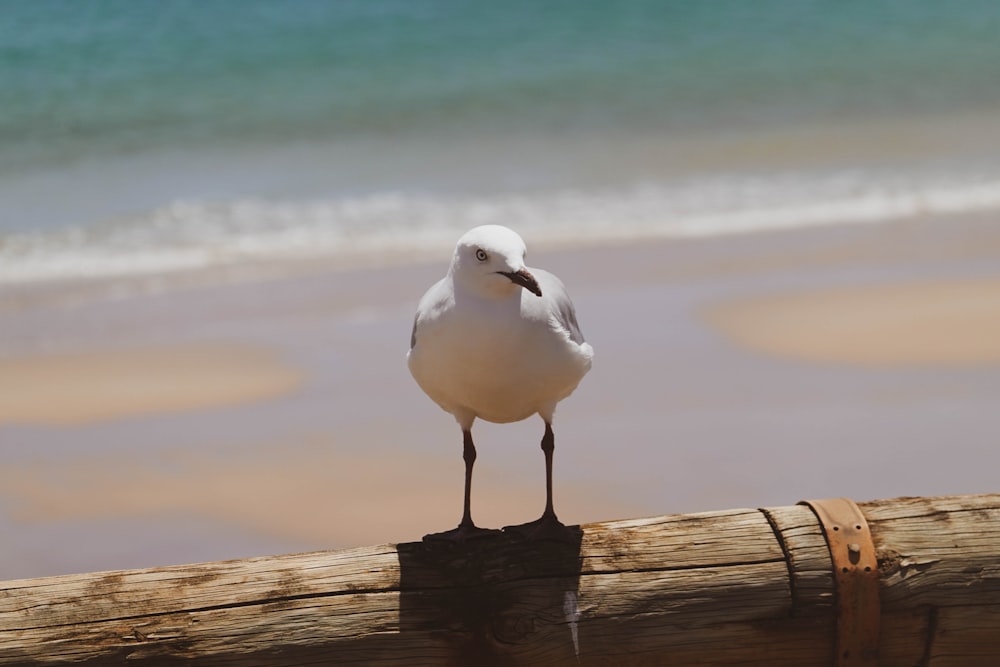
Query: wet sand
79, 388
943, 323
235, 419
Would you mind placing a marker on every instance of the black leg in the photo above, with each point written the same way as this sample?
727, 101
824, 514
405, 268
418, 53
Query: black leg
469, 456
548, 447
466, 529
548, 525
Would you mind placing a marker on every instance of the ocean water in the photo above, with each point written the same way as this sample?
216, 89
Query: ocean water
140, 136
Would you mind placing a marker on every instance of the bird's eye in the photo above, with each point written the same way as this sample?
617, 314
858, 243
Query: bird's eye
481, 254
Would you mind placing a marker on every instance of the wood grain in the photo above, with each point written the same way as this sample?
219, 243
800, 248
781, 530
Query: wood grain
740, 587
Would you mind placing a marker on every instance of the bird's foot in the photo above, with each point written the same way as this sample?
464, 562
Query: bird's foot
465, 532
547, 527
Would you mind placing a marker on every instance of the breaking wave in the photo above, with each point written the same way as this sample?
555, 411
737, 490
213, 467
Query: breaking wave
189, 235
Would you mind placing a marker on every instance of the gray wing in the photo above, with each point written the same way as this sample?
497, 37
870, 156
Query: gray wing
561, 306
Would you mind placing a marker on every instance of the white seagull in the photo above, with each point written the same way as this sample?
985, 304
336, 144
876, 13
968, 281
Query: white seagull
496, 340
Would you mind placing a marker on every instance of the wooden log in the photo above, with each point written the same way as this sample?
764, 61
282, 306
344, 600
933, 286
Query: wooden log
739, 587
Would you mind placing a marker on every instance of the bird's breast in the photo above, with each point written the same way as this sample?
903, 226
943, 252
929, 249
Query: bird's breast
503, 370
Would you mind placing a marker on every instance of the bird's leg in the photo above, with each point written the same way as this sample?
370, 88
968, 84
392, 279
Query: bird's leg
466, 528
548, 526
469, 456
548, 447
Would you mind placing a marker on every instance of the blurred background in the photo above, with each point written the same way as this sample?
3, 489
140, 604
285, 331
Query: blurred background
778, 220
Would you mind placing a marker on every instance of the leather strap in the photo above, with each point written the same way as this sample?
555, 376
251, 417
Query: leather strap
855, 568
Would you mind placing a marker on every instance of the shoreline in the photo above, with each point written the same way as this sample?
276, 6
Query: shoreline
19, 295
185, 242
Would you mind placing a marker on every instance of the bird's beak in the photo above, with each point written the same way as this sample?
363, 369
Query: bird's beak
524, 279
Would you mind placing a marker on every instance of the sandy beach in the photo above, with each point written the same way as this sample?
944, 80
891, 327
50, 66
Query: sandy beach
102, 385
238, 418
923, 324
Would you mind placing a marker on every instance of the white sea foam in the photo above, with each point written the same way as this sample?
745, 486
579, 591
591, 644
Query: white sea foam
195, 235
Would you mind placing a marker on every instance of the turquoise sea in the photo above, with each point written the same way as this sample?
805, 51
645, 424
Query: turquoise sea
143, 136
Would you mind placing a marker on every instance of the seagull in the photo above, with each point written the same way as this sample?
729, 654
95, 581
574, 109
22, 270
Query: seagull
498, 341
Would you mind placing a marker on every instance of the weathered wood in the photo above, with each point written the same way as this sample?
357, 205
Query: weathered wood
940, 585
741, 587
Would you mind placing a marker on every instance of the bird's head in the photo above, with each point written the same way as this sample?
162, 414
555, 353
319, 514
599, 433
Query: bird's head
489, 261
